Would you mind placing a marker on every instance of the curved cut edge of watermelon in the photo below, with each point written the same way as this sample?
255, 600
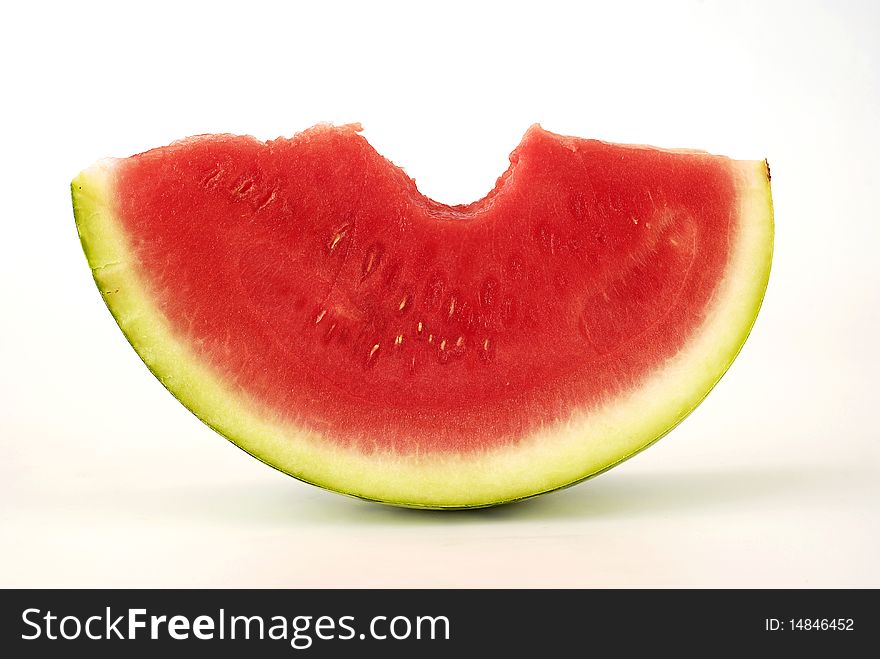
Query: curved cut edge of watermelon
590, 442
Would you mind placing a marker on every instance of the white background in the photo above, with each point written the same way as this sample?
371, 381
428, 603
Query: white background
105, 480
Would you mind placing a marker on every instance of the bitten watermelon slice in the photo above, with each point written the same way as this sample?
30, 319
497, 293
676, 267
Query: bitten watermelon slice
302, 298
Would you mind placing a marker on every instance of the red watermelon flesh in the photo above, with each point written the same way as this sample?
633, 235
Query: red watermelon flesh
311, 281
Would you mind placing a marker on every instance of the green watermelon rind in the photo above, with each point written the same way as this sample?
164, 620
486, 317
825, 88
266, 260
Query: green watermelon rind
590, 442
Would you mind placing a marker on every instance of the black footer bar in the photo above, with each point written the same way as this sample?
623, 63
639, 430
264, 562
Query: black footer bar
427, 623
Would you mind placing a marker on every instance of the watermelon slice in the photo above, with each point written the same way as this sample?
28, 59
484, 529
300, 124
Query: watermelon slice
303, 299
